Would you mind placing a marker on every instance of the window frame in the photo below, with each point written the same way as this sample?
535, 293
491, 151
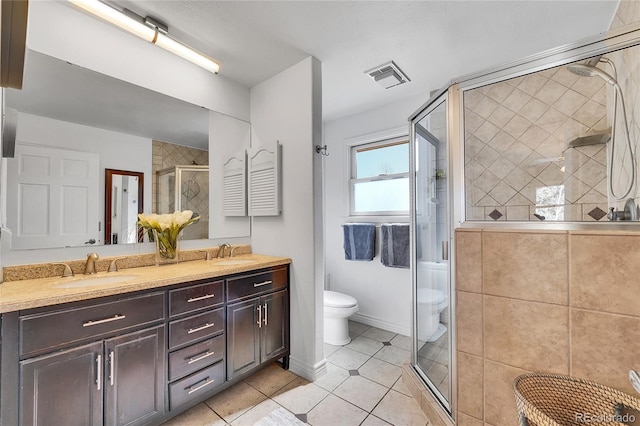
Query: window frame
370, 143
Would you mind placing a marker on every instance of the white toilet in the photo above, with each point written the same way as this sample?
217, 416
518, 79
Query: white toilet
338, 307
432, 299
430, 303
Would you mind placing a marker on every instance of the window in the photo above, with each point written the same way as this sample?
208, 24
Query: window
380, 178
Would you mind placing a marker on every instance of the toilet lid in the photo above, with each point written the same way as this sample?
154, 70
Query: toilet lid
338, 300
429, 295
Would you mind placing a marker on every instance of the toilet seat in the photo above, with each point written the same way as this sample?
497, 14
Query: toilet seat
428, 295
334, 299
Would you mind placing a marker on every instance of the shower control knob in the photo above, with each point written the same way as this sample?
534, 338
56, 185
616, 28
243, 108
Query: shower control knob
618, 214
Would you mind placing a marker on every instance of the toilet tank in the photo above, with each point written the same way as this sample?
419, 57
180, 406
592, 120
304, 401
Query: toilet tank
433, 275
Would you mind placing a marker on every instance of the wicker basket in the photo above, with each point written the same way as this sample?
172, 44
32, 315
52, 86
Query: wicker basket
556, 400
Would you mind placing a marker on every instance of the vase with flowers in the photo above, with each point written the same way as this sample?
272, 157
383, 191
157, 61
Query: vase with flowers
165, 230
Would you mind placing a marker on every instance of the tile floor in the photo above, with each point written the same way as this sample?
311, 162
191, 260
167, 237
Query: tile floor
433, 358
362, 387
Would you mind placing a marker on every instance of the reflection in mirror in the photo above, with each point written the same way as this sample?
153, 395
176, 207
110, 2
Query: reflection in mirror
124, 199
63, 107
185, 188
555, 145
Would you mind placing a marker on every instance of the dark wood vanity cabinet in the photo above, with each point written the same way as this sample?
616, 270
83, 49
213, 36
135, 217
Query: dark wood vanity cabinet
196, 341
115, 380
140, 359
257, 320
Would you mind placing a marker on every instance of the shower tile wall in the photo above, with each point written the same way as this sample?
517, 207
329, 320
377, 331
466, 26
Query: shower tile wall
542, 302
168, 155
516, 156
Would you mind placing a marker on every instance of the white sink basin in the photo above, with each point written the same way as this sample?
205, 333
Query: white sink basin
83, 282
234, 262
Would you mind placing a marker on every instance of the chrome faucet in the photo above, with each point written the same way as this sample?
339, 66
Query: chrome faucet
90, 265
221, 248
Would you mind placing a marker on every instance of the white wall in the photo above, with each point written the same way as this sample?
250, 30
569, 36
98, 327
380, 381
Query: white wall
383, 293
60, 30
287, 108
116, 151
227, 136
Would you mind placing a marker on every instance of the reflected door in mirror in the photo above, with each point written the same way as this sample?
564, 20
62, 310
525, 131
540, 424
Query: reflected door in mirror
55, 194
123, 201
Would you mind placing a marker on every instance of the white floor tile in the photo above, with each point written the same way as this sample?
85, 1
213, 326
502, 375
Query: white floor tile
300, 396
380, 372
361, 392
335, 412
333, 378
348, 358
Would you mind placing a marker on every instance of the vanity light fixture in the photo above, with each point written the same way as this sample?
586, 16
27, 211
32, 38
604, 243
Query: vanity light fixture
147, 29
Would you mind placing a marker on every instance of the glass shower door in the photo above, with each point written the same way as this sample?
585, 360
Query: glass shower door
431, 263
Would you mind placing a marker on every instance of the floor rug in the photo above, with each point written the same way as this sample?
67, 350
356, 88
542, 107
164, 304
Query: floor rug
279, 417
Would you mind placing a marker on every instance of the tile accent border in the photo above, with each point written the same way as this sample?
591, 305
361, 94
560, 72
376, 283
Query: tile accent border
47, 270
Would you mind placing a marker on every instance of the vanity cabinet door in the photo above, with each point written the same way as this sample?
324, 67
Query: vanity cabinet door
243, 337
134, 377
275, 327
64, 388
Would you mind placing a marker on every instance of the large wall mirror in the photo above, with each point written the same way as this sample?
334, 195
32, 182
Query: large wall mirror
72, 125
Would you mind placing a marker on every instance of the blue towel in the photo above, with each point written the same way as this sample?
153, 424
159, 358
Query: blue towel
395, 249
359, 241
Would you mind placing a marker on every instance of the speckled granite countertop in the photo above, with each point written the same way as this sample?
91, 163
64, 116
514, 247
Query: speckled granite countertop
34, 293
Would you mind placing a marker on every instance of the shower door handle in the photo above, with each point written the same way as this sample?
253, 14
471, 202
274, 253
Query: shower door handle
445, 250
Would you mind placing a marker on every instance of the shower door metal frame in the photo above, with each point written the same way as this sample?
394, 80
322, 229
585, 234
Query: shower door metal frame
452, 96
178, 170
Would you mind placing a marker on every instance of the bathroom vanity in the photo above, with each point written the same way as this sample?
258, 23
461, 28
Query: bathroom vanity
141, 350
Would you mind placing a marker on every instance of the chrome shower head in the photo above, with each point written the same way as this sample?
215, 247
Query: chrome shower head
587, 70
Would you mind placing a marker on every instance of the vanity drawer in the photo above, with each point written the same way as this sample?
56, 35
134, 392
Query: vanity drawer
193, 358
195, 297
195, 385
52, 330
248, 285
195, 327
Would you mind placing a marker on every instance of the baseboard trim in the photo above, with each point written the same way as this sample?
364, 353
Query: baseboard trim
307, 371
385, 325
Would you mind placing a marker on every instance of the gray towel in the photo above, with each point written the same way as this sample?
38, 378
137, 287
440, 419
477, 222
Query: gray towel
359, 241
395, 249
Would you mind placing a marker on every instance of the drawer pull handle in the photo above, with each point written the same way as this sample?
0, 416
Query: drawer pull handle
259, 309
262, 283
99, 372
200, 357
111, 367
102, 321
205, 326
265, 315
196, 299
205, 382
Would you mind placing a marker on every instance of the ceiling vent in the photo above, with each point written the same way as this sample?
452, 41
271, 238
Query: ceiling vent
388, 75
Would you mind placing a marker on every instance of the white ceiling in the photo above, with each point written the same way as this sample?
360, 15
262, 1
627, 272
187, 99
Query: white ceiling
432, 41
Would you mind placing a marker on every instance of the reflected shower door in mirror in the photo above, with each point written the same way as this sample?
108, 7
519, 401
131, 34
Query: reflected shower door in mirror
66, 107
124, 199
432, 268
185, 188
555, 145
